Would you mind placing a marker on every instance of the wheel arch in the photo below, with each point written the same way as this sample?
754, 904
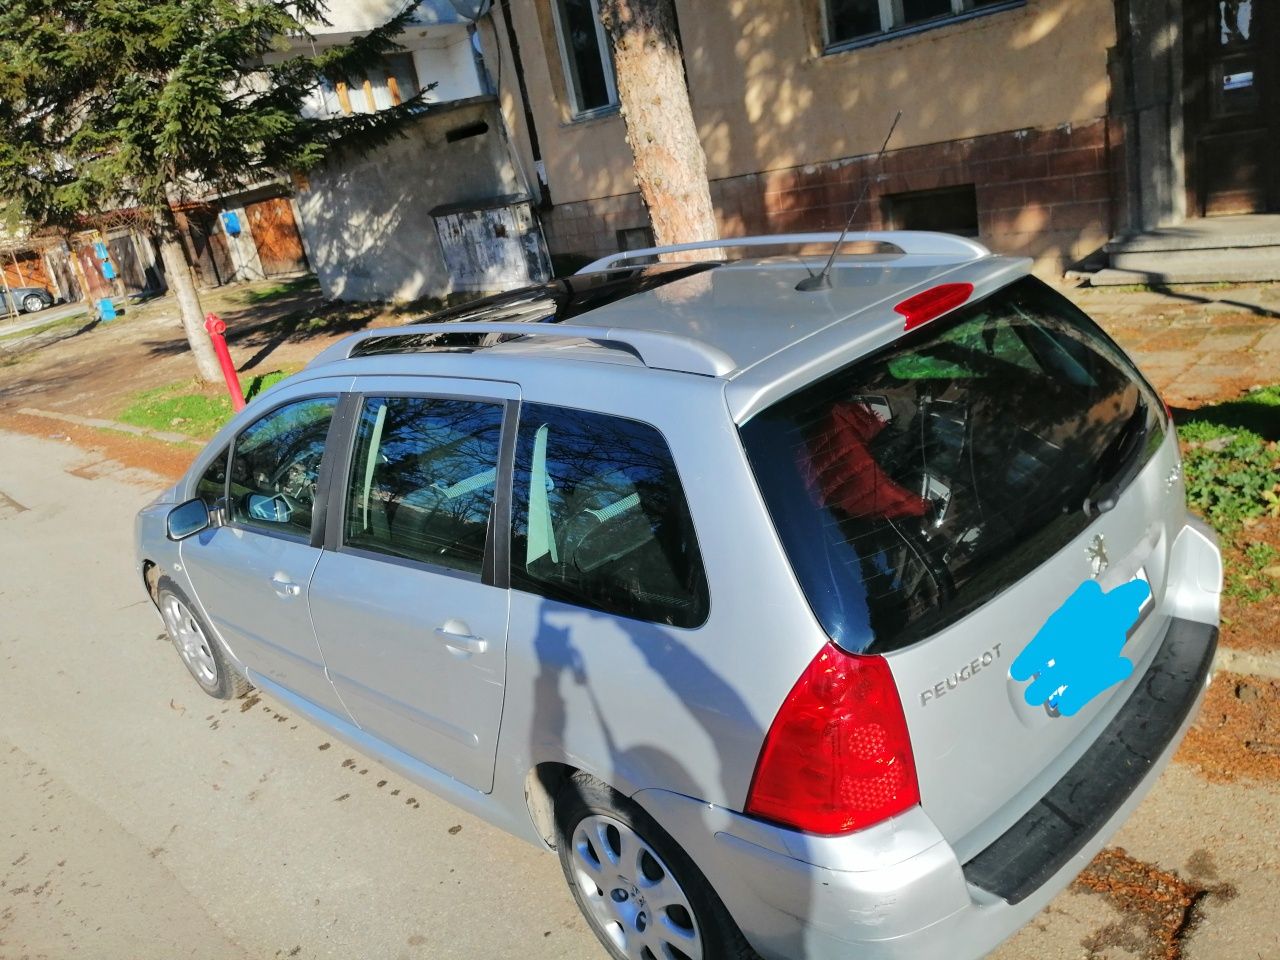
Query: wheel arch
541, 785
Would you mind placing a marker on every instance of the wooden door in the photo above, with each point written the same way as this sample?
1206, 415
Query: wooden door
1233, 106
276, 235
25, 269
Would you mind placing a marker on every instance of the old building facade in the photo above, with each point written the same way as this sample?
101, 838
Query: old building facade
1047, 128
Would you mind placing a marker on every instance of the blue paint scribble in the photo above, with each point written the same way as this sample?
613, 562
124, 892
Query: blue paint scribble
1076, 654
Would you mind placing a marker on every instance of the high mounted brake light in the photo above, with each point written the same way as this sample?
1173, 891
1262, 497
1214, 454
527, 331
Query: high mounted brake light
838, 755
933, 303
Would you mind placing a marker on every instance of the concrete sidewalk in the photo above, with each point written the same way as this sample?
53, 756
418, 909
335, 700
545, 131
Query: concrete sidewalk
1195, 343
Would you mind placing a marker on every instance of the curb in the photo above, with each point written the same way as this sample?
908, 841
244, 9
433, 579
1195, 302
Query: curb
1243, 661
163, 435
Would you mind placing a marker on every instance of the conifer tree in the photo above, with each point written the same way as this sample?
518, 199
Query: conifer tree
109, 104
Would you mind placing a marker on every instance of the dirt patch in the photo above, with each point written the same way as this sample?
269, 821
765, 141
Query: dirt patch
1237, 736
1251, 624
1159, 907
168, 461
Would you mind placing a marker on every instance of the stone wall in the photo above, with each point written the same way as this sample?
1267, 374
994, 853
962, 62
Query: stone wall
1044, 193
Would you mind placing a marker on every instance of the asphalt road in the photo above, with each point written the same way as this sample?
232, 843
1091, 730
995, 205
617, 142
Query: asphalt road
140, 819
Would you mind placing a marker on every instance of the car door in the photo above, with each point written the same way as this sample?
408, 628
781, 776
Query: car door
250, 572
406, 601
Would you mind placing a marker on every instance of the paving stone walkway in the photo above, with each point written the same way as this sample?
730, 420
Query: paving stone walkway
1198, 343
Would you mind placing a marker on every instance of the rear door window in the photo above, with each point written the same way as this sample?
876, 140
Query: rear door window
422, 479
920, 481
600, 519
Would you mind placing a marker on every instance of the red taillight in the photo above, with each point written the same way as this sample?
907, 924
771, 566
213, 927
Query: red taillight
838, 756
933, 303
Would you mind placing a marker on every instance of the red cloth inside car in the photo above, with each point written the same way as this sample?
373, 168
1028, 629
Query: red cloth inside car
842, 472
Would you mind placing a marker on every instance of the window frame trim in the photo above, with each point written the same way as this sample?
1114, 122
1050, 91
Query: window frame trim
496, 543
576, 110
893, 8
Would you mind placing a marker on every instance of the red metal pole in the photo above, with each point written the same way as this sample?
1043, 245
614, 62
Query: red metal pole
217, 327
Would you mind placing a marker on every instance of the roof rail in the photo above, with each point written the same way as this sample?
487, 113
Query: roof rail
654, 348
914, 243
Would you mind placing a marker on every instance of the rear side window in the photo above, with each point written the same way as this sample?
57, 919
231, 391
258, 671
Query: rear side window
600, 520
422, 479
275, 465
917, 483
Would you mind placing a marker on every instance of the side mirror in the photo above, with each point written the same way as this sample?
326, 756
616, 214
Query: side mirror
269, 509
187, 519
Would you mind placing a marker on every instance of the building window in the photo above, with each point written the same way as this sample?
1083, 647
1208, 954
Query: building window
850, 21
951, 210
388, 85
584, 49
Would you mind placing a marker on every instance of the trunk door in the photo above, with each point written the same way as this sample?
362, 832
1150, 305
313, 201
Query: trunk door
942, 498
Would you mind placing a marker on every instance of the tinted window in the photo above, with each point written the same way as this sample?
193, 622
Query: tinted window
275, 466
422, 479
917, 483
212, 485
600, 519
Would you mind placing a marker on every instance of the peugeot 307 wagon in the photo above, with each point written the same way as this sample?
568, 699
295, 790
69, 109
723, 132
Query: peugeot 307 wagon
713, 581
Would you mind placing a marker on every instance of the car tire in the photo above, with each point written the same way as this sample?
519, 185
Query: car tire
612, 854
32, 304
198, 647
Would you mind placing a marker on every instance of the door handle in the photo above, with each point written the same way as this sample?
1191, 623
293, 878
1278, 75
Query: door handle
459, 641
286, 587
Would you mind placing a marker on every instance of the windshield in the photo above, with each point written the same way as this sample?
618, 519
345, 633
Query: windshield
918, 482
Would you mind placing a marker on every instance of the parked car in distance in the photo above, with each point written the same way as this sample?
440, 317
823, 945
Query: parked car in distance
26, 299
725, 590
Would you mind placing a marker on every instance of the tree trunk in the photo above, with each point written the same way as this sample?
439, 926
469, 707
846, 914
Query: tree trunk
671, 168
178, 275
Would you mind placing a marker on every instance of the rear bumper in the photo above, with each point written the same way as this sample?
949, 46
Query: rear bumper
898, 890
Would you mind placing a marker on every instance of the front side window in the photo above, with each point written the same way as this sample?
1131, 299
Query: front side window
600, 520
588, 64
850, 20
917, 483
275, 465
423, 478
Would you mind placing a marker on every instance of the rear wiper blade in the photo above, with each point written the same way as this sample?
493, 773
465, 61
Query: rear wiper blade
1112, 474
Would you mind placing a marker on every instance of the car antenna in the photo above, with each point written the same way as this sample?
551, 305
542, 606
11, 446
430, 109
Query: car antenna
822, 281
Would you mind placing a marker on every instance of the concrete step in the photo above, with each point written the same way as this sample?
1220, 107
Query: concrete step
1246, 265
1244, 249
1206, 233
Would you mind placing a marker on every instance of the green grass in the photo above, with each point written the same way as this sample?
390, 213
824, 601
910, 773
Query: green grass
185, 407
1250, 581
278, 291
1231, 461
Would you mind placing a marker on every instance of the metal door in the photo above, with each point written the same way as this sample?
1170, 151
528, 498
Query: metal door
417, 647
251, 573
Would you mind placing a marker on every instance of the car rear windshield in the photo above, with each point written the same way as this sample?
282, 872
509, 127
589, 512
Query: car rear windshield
915, 484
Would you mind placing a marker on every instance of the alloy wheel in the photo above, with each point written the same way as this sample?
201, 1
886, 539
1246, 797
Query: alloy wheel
632, 898
188, 636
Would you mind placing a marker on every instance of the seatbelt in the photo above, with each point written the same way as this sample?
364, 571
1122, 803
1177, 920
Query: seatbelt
541, 540
375, 442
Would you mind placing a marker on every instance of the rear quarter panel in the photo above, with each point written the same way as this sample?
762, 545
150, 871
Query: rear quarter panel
643, 705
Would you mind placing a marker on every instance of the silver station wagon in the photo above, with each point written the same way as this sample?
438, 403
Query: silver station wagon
747, 589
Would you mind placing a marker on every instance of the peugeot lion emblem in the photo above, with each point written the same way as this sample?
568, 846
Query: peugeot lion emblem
1097, 553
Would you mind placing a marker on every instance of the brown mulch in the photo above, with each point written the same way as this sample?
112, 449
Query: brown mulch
1251, 625
1159, 907
1237, 735
166, 460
